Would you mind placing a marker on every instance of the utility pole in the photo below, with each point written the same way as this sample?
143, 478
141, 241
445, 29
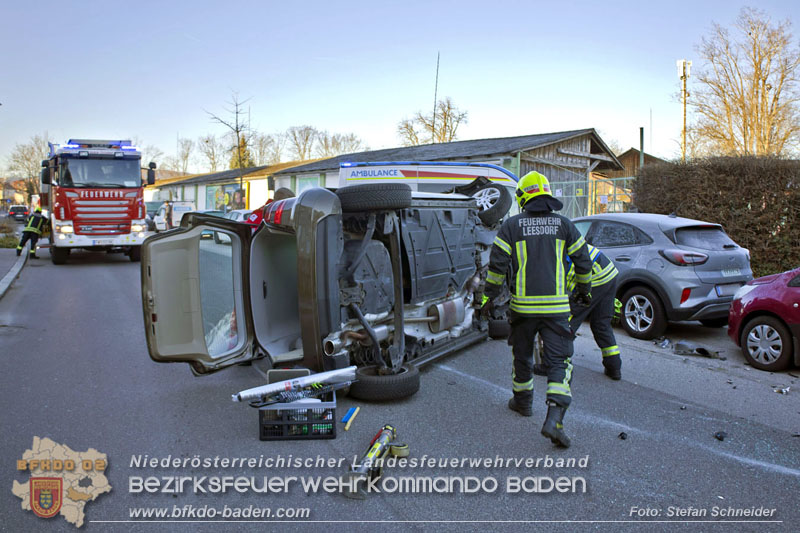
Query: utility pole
435, 96
684, 68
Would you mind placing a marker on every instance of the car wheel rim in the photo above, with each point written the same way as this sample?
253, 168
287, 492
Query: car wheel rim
639, 313
764, 344
486, 198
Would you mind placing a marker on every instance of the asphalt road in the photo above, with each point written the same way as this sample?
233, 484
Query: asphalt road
75, 369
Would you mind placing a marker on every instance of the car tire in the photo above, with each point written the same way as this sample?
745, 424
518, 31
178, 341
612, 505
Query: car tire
372, 386
135, 254
374, 197
766, 343
494, 201
715, 322
59, 255
643, 314
499, 329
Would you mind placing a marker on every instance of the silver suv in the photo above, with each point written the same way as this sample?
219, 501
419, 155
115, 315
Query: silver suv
671, 268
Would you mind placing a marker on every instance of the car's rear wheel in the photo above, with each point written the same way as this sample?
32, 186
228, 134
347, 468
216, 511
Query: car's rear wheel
374, 197
643, 314
375, 387
766, 343
494, 201
715, 322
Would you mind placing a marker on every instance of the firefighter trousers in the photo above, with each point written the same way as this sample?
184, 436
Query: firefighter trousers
28, 235
600, 312
557, 341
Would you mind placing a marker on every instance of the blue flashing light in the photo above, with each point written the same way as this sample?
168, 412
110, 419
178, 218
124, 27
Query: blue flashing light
70, 146
347, 164
132, 148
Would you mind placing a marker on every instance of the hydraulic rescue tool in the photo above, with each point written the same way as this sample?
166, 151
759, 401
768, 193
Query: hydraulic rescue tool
371, 465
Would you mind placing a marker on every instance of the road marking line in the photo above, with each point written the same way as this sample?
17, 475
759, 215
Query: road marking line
593, 419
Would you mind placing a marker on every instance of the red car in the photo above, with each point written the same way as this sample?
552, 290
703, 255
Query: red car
764, 320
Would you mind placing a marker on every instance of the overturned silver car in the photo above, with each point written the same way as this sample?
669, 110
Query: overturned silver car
380, 274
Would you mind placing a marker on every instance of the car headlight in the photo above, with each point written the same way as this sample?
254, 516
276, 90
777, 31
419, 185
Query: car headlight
742, 291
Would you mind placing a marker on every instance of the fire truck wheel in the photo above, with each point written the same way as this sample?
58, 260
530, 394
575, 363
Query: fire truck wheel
58, 255
374, 197
372, 386
135, 254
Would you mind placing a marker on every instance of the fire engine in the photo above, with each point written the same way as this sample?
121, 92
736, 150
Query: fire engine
93, 190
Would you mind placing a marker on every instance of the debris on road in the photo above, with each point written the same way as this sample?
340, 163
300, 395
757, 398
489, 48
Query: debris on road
794, 375
720, 435
662, 342
622, 436
782, 391
683, 407
689, 348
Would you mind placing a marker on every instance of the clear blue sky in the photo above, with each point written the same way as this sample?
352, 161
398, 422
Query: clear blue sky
150, 69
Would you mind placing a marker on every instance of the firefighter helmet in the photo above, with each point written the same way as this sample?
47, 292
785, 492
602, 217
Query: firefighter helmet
530, 186
38, 209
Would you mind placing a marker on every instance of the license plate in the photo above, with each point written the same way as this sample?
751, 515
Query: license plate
102, 242
728, 289
730, 272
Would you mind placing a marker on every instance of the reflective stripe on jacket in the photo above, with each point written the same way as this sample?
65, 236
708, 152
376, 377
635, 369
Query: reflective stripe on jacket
35, 223
532, 249
603, 269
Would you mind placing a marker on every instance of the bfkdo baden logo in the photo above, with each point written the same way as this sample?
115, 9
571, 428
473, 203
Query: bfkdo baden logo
46, 495
62, 481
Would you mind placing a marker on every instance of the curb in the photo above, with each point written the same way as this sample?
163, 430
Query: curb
5, 283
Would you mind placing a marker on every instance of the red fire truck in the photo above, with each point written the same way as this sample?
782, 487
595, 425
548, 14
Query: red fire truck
93, 190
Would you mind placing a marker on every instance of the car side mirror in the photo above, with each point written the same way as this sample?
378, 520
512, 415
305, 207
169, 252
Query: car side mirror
45, 173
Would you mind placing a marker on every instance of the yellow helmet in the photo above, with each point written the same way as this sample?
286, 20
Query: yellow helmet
530, 186
38, 209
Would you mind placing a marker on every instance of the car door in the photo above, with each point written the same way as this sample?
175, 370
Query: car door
159, 219
195, 296
620, 242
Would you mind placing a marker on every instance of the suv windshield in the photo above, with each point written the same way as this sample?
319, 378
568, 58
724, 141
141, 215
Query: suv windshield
704, 238
100, 173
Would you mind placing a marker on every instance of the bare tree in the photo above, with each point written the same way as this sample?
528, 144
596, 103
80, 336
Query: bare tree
149, 152
25, 161
330, 145
301, 141
441, 128
239, 130
748, 98
267, 148
211, 148
185, 147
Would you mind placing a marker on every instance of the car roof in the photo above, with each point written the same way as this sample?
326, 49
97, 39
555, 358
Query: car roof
662, 221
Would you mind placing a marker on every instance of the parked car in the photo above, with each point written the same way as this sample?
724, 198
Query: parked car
375, 275
238, 215
18, 212
151, 208
670, 268
179, 208
764, 320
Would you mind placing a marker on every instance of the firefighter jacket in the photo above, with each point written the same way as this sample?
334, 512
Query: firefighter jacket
35, 224
532, 248
603, 270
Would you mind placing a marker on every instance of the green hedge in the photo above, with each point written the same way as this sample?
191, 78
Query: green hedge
757, 201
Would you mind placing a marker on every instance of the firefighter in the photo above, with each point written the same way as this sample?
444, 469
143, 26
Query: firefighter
531, 249
34, 227
600, 312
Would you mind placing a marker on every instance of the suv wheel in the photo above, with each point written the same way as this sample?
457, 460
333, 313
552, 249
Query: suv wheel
643, 314
494, 201
766, 344
375, 387
374, 197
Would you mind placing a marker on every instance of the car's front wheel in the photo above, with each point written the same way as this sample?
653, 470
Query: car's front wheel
643, 315
766, 344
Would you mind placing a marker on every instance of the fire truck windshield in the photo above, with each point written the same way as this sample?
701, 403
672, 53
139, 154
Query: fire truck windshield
100, 173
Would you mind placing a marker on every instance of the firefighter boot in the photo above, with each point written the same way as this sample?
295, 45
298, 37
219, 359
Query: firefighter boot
553, 427
613, 366
521, 403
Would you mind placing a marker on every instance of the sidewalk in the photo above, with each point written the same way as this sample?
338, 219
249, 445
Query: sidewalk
10, 267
